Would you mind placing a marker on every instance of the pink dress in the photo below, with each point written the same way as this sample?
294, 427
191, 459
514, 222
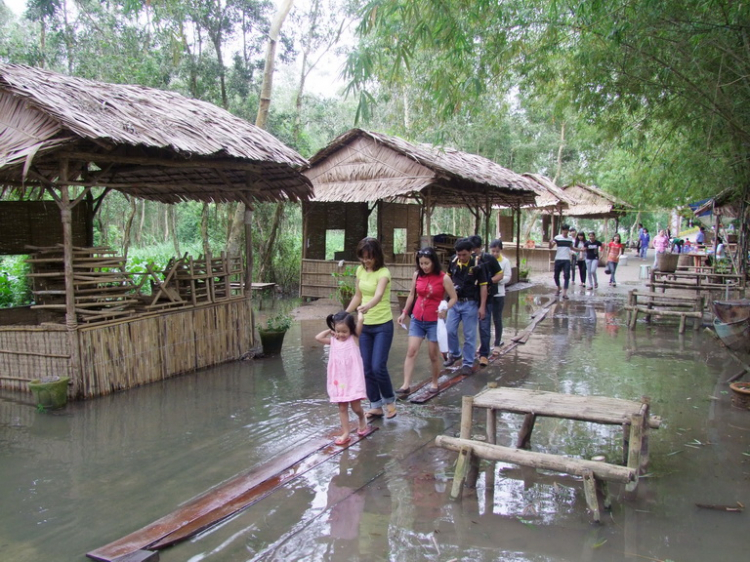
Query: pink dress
346, 373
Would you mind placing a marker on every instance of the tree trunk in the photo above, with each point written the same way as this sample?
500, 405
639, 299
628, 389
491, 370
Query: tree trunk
204, 229
173, 228
128, 226
139, 232
233, 242
273, 39
271, 242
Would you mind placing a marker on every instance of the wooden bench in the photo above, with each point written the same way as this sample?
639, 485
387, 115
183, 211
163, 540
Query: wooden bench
633, 417
652, 304
698, 281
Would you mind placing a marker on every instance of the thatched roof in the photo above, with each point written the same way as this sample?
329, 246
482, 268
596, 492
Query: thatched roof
363, 166
727, 203
550, 197
145, 142
593, 203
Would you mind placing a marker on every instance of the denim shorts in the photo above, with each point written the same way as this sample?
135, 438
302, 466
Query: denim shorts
423, 329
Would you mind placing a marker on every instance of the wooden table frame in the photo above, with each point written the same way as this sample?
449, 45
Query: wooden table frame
633, 417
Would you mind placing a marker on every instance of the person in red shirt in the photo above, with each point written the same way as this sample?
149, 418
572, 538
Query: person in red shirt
429, 286
614, 250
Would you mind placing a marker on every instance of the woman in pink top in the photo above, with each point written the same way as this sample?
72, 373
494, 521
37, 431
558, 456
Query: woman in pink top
429, 286
661, 243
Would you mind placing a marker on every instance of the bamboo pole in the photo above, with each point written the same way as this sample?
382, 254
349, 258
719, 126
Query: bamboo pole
545, 461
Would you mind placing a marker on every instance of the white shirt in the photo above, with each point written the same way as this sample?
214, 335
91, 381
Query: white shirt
507, 272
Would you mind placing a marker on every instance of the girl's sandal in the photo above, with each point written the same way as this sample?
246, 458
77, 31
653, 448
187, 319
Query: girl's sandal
363, 432
341, 441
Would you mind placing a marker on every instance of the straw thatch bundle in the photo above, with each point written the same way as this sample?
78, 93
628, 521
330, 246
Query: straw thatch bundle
593, 203
550, 197
149, 143
363, 166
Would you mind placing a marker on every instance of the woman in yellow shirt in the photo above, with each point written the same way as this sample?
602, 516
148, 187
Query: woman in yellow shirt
372, 297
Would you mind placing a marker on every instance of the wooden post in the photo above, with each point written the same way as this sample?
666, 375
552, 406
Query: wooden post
247, 221
491, 426
428, 216
524, 436
634, 450
518, 238
646, 413
467, 410
462, 467
66, 216
467, 414
589, 489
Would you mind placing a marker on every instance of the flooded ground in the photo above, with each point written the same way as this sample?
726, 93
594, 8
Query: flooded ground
75, 480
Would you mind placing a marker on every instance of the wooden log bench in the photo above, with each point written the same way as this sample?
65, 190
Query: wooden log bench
633, 417
653, 304
697, 281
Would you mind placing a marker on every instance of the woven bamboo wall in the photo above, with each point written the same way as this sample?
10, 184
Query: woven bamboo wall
505, 226
319, 217
30, 352
131, 353
317, 281
37, 223
398, 215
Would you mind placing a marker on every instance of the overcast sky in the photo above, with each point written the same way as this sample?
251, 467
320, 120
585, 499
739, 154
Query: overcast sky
18, 6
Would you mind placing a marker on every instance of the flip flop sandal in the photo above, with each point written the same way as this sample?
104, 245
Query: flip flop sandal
363, 432
374, 414
341, 442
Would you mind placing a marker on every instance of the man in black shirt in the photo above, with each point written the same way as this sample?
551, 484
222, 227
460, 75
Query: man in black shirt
492, 274
471, 288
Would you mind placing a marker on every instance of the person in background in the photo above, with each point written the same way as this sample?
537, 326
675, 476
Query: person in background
573, 234
661, 243
643, 241
372, 297
346, 375
429, 286
700, 238
562, 258
492, 273
498, 300
593, 247
471, 290
614, 250
579, 251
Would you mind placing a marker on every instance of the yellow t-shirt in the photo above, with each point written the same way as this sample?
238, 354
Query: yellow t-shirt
368, 284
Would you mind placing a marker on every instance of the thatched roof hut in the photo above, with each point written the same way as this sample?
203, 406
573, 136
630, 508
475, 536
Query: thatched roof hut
593, 203
64, 136
550, 198
361, 166
149, 143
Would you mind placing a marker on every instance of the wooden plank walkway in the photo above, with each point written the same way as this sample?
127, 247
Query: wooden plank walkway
448, 377
224, 500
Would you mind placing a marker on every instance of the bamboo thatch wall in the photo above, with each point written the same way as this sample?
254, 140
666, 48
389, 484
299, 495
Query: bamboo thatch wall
127, 353
317, 281
29, 352
131, 353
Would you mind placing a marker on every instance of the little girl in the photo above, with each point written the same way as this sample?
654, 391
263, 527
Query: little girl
346, 373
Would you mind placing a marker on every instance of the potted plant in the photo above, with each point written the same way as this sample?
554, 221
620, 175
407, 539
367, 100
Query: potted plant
50, 393
523, 271
344, 284
273, 331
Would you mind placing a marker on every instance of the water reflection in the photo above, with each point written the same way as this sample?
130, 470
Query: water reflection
75, 480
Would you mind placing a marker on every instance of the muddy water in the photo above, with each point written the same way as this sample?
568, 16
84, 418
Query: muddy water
73, 481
